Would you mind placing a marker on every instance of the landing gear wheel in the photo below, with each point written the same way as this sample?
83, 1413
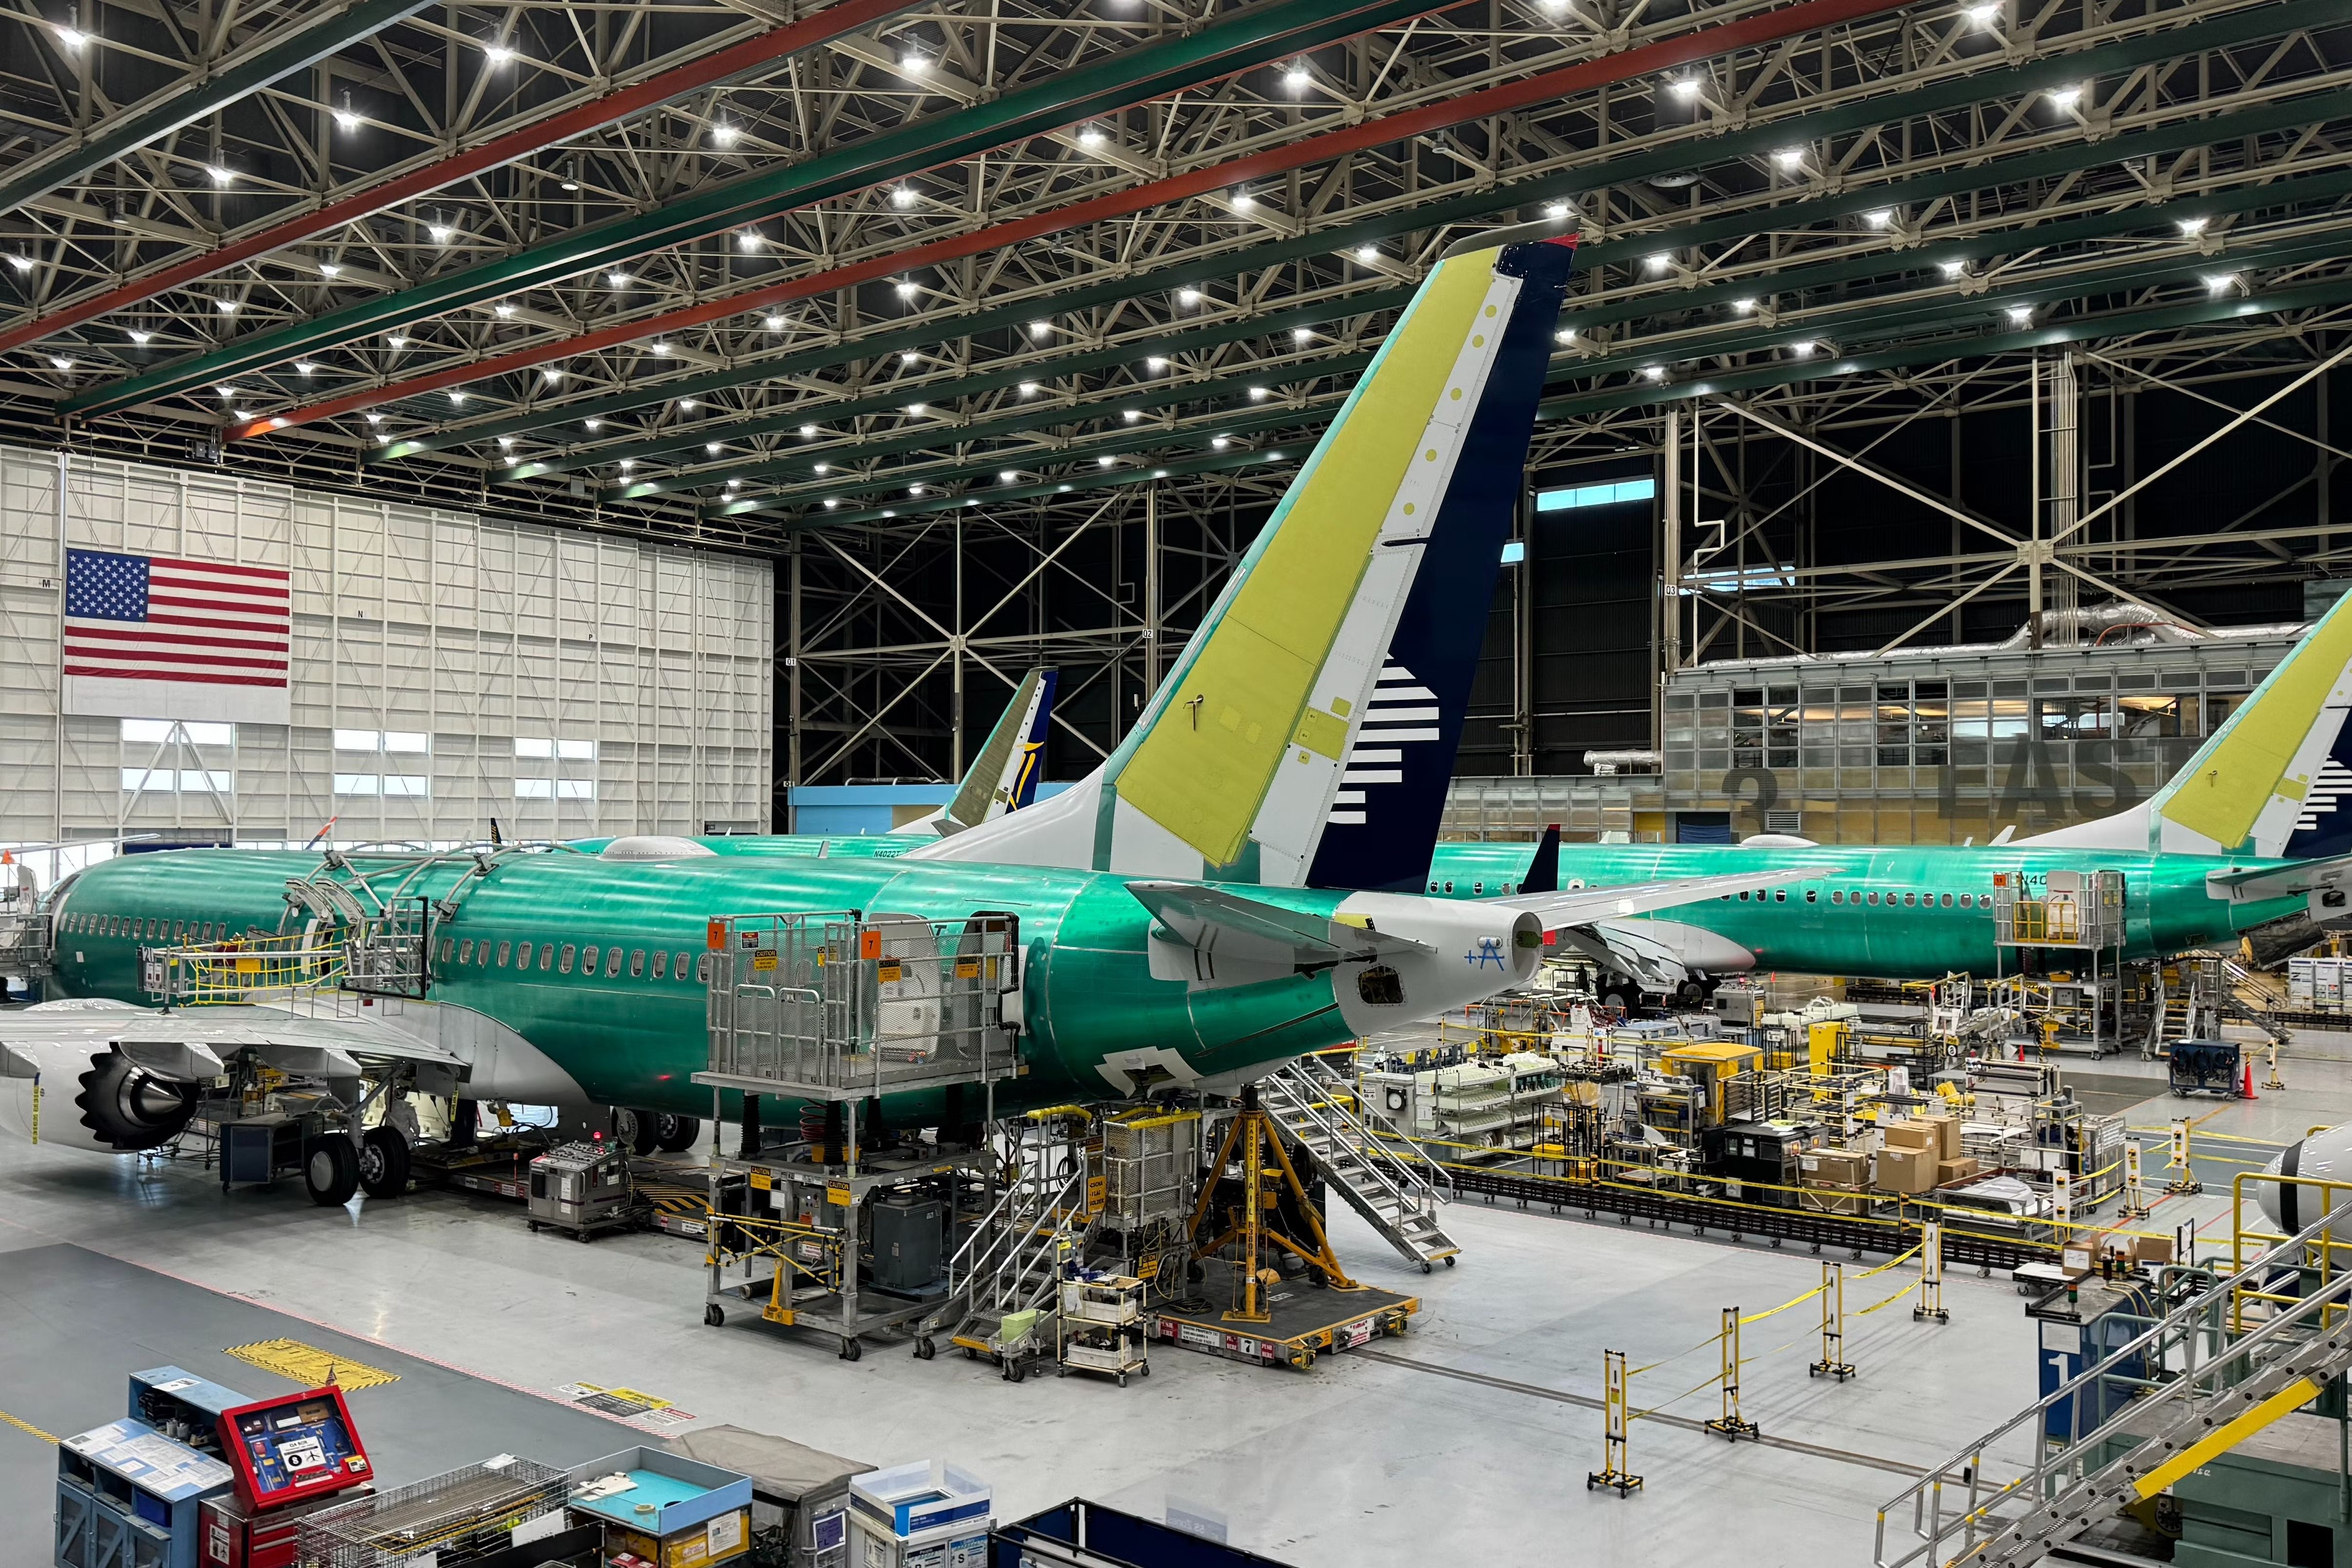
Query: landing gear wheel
713, 1315
675, 1134
635, 1128
330, 1170
850, 1350
383, 1163
924, 1350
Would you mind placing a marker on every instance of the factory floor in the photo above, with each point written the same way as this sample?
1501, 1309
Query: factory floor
1476, 1430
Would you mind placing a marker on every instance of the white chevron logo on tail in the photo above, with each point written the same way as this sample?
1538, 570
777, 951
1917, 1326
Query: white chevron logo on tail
2326, 796
1401, 712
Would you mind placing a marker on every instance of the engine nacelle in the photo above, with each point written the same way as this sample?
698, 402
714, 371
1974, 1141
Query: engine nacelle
97, 1099
2325, 1155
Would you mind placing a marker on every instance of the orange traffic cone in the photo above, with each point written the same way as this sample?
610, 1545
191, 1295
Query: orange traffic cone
2246, 1090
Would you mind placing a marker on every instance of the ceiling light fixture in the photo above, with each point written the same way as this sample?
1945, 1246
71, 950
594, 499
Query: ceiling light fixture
502, 309
61, 362
1684, 87
2020, 315
902, 195
1257, 394
2215, 283
21, 263
440, 233
550, 375
1028, 389
774, 323
137, 336
1654, 372
725, 135
497, 53
617, 279
1788, 157
1951, 268
225, 307
807, 431
304, 366
395, 342
1039, 329
221, 176
1879, 217
2193, 227
329, 269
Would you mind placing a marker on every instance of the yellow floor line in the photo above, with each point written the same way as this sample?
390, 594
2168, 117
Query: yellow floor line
26, 1427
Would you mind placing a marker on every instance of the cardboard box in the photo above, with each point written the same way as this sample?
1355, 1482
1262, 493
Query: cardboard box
718, 1539
1835, 1168
1947, 1136
2151, 1249
1833, 1200
1912, 1135
1907, 1170
1948, 1171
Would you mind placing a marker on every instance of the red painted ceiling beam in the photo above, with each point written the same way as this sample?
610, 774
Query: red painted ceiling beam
761, 49
1667, 53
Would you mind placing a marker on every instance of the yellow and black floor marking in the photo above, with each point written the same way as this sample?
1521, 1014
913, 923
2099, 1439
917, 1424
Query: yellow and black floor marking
310, 1366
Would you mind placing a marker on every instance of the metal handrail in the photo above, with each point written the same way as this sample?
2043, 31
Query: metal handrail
1979, 1527
1009, 1222
1285, 1079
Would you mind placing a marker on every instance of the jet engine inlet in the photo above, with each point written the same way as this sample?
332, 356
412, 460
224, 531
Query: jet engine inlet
129, 1107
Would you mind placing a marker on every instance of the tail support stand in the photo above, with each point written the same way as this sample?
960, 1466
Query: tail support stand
1931, 1275
1832, 1363
1615, 1418
1264, 1166
1729, 1423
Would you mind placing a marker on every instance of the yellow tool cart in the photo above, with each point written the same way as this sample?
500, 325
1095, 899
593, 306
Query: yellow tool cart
1101, 1327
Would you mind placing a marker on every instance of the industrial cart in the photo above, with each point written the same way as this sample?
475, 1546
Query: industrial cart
1101, 1327
2204, 1067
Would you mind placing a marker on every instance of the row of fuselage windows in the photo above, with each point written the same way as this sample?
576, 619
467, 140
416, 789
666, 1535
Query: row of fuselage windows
140, 928
1863, 896
586, 960
1478, 890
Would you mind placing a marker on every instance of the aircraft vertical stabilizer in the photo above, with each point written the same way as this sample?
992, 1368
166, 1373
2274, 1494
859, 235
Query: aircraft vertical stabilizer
1004, 777
1231, 771
2275, 780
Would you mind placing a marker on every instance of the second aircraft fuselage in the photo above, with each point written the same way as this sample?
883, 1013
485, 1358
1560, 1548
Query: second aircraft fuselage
1902, 913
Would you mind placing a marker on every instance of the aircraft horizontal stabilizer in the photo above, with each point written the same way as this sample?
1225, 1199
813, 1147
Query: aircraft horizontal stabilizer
2254, 883
1581, 906
1211, 918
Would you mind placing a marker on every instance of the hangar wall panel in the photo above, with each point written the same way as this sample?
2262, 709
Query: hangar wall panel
446, 669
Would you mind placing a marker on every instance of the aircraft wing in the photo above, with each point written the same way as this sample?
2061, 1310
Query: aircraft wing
1582, 905
190, 1043
2252, 884
1209, 918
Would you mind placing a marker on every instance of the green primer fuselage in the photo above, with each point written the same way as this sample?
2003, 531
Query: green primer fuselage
631, 1039
1915, 929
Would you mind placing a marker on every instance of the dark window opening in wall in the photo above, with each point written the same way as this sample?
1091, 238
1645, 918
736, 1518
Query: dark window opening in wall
1380, 987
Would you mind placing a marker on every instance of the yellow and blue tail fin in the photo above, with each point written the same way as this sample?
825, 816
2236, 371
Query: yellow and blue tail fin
1380, 559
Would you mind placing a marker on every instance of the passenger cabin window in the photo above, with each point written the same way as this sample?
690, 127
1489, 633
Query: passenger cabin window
1780, 895
702, 968
448, 948
1813, 897
504, 949
661, 964
466, 951
564, 965
636, 962
1948, 900
523, 955
612, 960
1479, 887
682, 968
1449, 887
547, 955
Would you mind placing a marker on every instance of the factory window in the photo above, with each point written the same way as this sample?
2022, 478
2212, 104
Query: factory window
661, 964
534, 789
575, 789
2074, 717
636, 962
466, 951
564, 967
448, 947
158, 732
1579, 496
504, 948
358, 783
546, 955
612, 960
681, 966
415, 787
523, 955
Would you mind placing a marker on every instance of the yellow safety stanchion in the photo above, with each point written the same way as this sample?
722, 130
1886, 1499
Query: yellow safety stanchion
2185, 1183
1729, 1422
1931, 1274
1616, 1421
1832, 1293
2135, 1205
2274, 1082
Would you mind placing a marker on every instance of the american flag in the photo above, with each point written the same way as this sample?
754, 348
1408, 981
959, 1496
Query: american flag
150, 617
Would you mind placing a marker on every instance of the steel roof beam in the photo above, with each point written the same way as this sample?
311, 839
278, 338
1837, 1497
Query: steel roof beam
967, 385
1809, 15
1753, 141
2073, 330
205, 89
722, 65
1266, 32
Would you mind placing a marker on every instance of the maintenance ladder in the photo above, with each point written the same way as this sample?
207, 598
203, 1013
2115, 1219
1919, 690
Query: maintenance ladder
2207, 1375
1316, 1104
1011, 1261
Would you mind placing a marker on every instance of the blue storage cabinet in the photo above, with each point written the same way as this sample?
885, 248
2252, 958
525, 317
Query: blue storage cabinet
128, 1496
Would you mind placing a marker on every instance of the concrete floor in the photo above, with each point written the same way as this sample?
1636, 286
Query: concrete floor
1360, 1461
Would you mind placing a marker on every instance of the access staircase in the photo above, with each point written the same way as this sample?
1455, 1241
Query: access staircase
2214, 991
2210, 1374
1011, 1263
1316, 1105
